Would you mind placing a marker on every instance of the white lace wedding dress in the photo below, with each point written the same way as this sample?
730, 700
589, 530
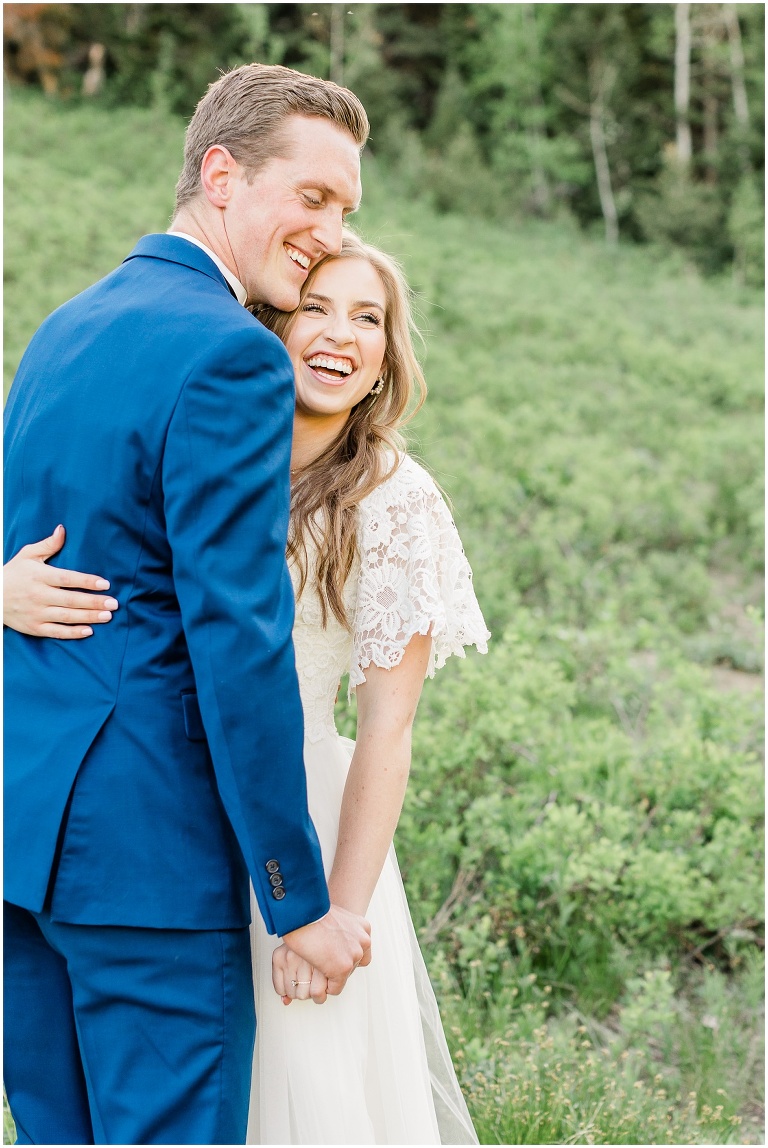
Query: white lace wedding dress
370, 1066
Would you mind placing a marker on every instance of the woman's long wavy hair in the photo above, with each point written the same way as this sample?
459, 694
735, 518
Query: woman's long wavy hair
325, 494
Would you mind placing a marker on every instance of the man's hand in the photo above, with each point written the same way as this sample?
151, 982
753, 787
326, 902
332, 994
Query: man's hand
334, 946
34, 601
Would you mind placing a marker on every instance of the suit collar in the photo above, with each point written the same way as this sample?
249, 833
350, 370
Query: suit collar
174, 249
235, 285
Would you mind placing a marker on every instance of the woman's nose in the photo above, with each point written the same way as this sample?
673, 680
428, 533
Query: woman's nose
340, 330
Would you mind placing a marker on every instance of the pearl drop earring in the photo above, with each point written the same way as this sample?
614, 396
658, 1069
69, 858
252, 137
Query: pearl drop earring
377, 387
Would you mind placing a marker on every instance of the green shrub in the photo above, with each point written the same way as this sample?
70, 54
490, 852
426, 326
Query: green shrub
687, 213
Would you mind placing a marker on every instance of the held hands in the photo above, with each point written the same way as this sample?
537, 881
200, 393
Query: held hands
36, 602
324, 954
295, 979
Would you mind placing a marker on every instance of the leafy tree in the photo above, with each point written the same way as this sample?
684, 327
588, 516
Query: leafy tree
644, 120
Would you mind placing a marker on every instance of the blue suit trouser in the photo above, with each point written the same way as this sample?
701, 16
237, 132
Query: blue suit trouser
126, 1035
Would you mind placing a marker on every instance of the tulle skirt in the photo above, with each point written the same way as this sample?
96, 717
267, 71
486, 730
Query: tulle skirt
370, 1066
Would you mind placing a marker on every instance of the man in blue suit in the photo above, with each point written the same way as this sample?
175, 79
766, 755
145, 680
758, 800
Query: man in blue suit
150, 773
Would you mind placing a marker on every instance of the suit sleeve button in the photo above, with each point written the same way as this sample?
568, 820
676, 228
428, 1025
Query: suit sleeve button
272, 866
278, 893
276, 879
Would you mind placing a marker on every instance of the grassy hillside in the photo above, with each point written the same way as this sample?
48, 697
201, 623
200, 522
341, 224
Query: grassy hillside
581, 838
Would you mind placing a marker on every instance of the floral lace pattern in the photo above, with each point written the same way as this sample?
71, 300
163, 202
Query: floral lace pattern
411, 574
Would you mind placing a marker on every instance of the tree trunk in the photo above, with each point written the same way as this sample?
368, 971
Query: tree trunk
600, 153
337, 43
710, 104
710, 133
740, 105
683, 82
541, 193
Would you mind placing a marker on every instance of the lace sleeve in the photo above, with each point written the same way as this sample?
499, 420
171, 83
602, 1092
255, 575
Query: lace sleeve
413, 575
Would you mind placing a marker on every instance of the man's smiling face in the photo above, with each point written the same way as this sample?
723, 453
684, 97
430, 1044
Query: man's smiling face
290, 215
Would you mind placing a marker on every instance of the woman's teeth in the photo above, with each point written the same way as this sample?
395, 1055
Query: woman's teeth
340, 367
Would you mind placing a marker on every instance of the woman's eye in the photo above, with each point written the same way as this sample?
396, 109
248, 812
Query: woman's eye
313, 202
313, 307
371, 318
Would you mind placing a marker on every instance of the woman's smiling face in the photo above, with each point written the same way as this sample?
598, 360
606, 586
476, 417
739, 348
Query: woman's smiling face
337, 340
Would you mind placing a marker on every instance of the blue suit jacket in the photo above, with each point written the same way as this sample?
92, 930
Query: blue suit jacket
161, 759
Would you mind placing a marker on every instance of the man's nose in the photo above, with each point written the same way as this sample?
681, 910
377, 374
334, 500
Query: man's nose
328, 230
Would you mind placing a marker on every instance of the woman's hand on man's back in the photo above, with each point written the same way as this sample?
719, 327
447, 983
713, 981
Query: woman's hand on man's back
48, 602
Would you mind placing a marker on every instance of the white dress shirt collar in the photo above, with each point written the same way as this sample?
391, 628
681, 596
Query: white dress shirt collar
240, 292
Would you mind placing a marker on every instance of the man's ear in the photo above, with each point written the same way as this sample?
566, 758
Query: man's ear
217, 172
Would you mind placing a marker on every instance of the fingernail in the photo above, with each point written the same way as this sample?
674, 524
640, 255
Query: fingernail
105, 615
102, 584
87, 631
58, 528
110, 603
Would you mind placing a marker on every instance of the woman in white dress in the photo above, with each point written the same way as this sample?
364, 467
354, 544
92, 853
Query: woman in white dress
383, 593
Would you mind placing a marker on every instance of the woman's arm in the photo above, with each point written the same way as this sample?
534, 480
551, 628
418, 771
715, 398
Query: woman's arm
35, 601
378, 774
370, 807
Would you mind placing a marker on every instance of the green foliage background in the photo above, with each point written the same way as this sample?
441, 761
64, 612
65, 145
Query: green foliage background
480, 108
581, 838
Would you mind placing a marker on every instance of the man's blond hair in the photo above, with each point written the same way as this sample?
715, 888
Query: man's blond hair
245, 109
